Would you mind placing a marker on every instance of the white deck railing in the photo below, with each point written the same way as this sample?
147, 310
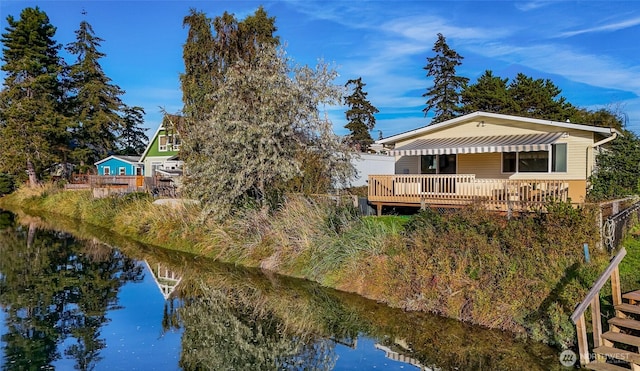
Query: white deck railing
463, 188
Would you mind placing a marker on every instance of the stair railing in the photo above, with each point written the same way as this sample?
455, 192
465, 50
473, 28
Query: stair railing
593, 300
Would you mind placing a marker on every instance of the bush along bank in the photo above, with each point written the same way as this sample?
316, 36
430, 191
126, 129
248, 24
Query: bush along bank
523, 275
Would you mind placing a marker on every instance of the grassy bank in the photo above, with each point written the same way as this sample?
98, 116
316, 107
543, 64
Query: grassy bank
523, 275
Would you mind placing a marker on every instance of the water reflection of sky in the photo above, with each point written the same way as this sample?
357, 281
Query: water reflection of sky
133, 333
367, 357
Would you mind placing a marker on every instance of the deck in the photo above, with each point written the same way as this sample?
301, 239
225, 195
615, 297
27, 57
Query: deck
464, 189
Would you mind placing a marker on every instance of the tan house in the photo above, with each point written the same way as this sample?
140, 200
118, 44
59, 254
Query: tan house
505, 162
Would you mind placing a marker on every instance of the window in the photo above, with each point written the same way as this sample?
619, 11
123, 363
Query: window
509, 160
533, 162
428, 164
169, 142
536, 161
163, 142
438, 164
175, 142
106, 171
559, 158
122, 171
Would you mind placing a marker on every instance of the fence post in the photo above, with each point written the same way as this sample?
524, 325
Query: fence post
596, 323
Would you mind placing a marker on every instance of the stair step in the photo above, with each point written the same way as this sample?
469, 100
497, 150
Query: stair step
625, 322
616, 353
622, 338
629, 308
633, 295
597, 366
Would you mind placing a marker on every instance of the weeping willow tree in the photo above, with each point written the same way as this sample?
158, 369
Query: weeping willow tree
265, 116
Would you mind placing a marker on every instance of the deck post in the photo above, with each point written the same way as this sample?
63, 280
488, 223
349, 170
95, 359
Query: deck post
615, 287
379, 209
583, 347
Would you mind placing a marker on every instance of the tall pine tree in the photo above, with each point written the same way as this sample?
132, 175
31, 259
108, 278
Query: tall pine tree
132, 139
360, 115
488, 94
32, 128
95, 104
444, 95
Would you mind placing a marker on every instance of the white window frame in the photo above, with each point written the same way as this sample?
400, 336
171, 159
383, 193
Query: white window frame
549, 162
175, 146
106, 170
122, 170
161, 147
438, 164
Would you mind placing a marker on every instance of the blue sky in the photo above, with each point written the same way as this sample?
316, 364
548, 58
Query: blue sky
587, 48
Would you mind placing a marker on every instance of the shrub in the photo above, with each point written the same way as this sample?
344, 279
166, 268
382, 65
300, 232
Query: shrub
7, 184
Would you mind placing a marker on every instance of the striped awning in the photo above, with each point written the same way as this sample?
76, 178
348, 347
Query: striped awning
500, 143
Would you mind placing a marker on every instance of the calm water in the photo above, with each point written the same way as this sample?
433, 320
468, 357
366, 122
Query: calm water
75, 297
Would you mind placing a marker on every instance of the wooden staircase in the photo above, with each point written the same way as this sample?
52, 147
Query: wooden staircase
621, 344
619, 348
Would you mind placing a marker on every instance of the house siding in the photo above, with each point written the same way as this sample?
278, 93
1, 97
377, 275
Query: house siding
114, 164
153, 155
154, 149
483, 165
149, 161
366, 164
489, 165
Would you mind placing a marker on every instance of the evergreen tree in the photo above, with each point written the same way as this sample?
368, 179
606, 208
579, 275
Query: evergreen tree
618, 171
132, 140
444, 96
488, 94
95, 105
524, 96
32, 128
601, 117
538, 98
360, 115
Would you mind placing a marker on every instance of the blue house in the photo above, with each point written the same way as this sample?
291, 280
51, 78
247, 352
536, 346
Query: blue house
120, 165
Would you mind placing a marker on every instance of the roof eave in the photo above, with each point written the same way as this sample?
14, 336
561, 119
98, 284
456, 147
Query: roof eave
479, 114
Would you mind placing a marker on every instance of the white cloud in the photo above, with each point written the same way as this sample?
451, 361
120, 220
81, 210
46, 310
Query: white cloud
425, 28
526, 6
605, 27
596, 70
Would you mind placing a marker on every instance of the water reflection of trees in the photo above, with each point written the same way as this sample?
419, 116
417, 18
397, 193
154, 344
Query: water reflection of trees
221, 331
239, 320
54, 288
234, 318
